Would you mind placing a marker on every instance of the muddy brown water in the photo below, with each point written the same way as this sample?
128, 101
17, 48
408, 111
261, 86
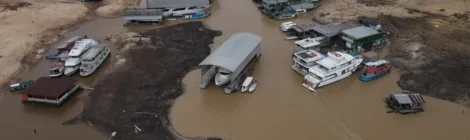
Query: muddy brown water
279, 109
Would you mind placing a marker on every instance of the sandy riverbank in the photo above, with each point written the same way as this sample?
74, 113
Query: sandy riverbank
30, 28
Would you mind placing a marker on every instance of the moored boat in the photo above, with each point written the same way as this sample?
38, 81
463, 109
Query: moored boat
72, 63
197, 15
93, 58
253, 86
405, 102
246, 84
374, 70
335, 67
57, 69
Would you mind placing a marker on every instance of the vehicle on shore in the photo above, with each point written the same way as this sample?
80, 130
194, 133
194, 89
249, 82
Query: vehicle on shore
72, 63
405, 102
335, 67
93, 58
374, 70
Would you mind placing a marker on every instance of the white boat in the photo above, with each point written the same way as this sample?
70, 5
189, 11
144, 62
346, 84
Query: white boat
72, 63
56, 70
304, 60
93, 58
247, 83
286, 26
335, 67
253, 86
222, 77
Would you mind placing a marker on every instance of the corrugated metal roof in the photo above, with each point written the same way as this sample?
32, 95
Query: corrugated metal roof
360, 32
50, 87
143, 12
176, 3
409, 98
335, 28
233, 51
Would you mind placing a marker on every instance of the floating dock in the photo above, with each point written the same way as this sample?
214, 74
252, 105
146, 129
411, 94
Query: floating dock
50, 90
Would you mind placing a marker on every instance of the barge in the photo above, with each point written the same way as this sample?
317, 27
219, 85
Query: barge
50, 91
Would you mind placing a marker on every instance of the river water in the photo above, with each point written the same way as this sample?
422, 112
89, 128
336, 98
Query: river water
279, 109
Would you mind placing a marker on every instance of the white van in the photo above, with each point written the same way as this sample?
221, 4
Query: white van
177, 12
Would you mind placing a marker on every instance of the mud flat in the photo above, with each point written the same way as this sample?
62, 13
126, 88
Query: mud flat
146, 79
433, 56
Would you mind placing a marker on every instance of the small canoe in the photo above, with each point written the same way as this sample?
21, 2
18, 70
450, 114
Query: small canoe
253, 86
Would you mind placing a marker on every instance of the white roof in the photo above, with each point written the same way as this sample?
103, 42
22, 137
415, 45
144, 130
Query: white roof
334, 59
377, 63
72, 61
93, 51
81, 46
403, 98
309, 42
309, 55
15, 85
360, 32
247, 81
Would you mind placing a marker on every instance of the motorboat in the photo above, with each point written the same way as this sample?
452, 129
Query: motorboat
374, 70
57, 69
222, 77
72, 63
197, 15
253, 86
247, 83
93, 58
286, 26
336, 66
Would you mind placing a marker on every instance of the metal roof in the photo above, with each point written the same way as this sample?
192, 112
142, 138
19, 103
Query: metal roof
233, 51
335, 28
360, 32
176, 3
50, 87
408, 98
143, 12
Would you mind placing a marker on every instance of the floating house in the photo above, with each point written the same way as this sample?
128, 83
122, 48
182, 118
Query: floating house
50, 90
405, 102
362, 37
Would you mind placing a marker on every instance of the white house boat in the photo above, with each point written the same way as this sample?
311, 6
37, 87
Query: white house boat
72, 63
306, 59
335, 67
93, 58
222, 77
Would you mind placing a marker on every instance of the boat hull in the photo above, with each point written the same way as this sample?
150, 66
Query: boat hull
99, 64
69, 73
368, 79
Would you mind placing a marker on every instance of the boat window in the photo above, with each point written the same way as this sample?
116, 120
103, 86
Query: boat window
224, 73
191, 8
179, 9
